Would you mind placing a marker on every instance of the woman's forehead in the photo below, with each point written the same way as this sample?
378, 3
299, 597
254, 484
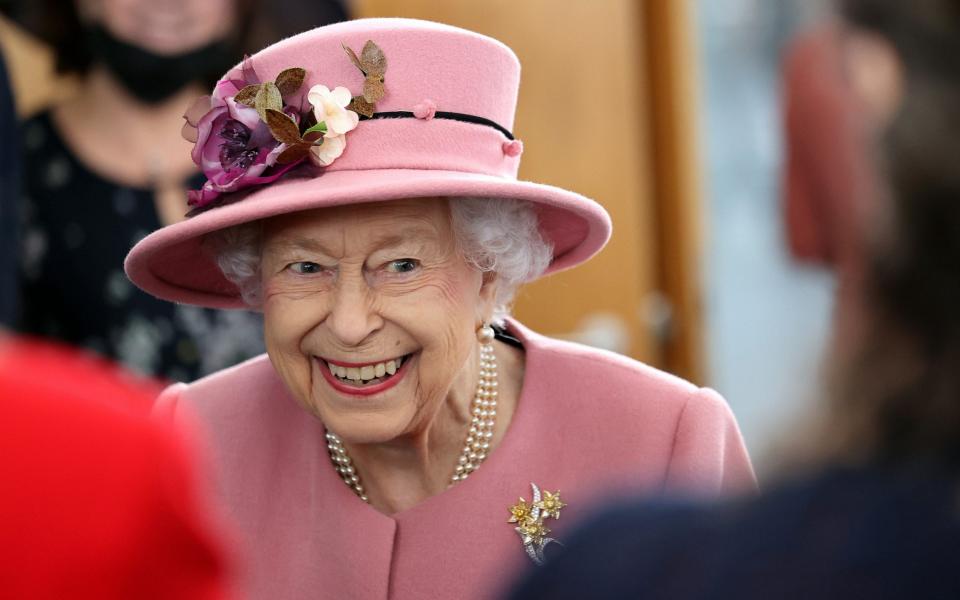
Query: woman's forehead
380, 224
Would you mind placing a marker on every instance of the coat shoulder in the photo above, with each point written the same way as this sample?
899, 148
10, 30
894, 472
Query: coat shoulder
244, 389
665, 432
616, 393
616, 377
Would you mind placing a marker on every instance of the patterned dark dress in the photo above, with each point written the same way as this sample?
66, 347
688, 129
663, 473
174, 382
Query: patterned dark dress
77, 229
9, 193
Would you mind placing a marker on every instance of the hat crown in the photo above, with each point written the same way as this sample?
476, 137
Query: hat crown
457, 70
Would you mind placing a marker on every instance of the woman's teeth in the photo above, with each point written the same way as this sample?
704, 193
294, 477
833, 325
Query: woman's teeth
367, 372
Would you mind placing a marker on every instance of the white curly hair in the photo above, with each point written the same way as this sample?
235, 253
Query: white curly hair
494, 235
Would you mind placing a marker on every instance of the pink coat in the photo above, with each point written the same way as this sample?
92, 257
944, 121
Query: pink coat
588, 423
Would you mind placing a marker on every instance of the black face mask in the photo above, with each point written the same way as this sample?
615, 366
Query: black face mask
154, 77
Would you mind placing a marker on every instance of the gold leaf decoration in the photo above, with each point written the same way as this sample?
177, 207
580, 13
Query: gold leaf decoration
248, 95
268, 97
290, 80
285, 131
360, 106
294, 153
282, 127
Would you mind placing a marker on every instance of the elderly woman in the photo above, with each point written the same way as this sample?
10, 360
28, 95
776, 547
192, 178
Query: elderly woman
362, 194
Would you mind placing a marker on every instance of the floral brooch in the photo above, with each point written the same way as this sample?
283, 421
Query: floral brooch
250, 132
530, 521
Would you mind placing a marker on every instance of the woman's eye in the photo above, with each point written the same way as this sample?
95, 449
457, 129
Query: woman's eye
305, 268
404, 265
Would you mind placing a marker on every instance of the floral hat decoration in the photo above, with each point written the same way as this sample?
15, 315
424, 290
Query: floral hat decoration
248, 132
308, 123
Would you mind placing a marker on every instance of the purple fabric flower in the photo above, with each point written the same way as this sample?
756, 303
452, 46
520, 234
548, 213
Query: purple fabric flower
233, 146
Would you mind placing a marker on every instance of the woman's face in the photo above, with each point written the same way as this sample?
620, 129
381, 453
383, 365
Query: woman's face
380, 292
167, 27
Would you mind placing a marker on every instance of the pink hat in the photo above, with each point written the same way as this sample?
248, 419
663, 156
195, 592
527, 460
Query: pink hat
279, 135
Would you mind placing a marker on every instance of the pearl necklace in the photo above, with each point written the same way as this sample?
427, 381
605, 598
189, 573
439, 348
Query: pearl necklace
479, 436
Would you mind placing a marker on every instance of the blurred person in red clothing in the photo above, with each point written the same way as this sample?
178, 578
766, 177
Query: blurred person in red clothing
98, 500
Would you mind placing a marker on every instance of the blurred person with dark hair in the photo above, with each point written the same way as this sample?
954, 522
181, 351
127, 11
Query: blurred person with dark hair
9, 200
107, 166
99, 500
879, 517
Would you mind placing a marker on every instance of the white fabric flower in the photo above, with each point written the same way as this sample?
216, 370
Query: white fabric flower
330, 107
329, 151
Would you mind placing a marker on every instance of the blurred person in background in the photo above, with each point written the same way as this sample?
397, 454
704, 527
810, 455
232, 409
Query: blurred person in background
9, 200
107, 165
99, 500
828, 181
379, 447
880, 517
825, 150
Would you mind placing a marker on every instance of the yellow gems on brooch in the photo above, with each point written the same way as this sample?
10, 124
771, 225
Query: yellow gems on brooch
551, 504
530, 521
520, 512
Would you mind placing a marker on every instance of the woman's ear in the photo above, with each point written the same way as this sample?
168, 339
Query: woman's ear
488, 295
875, 74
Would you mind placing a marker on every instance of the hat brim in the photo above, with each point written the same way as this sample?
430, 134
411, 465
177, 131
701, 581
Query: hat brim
172, 264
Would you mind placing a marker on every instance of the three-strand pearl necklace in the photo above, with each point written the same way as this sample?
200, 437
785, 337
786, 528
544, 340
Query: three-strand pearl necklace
475, 449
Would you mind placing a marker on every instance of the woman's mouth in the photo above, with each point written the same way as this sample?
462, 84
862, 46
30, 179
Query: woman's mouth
367, 374
364, 378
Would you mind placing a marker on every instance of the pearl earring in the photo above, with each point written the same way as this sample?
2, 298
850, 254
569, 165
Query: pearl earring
485, 334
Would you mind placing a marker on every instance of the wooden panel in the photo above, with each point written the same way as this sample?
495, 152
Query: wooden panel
673, 120
581, 118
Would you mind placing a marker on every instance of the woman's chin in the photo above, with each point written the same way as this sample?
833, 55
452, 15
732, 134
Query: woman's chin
365, 418
365, 430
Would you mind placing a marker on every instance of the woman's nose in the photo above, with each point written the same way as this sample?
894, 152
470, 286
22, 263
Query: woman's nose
353, 317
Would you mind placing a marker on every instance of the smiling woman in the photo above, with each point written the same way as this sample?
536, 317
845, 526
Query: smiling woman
400, 411
367, 284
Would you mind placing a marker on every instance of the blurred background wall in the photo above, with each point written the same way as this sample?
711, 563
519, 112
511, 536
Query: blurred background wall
767, 317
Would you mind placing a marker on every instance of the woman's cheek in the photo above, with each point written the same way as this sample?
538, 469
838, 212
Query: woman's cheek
288, 319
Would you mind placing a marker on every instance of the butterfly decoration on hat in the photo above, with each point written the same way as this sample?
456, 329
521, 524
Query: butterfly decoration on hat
373, 64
